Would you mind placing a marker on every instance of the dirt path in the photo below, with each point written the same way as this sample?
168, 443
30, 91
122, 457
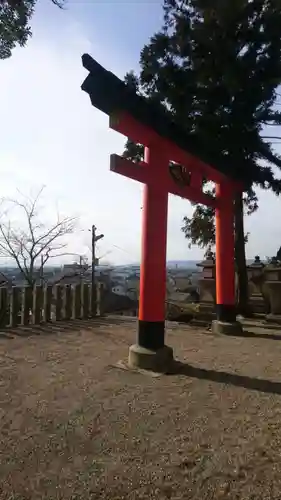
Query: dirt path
73, 426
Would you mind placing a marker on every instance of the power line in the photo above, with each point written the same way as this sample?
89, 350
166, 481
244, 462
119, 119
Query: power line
123, 250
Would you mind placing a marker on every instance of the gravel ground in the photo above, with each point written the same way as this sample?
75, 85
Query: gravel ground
75, 426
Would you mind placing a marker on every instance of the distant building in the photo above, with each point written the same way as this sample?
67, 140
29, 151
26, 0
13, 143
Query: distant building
119, 290
182, 283
133, 283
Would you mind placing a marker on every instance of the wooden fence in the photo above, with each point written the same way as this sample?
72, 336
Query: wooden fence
33, 306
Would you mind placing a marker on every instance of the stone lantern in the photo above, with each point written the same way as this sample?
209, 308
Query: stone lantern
207, 282
256, 276
273, 289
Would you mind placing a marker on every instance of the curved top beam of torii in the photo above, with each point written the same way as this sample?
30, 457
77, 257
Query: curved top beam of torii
142, 122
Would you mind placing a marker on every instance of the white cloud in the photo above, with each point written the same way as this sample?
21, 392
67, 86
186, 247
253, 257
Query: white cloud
264, 227
50, 134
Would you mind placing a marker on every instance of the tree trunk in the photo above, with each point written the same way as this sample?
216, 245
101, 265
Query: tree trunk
240, 258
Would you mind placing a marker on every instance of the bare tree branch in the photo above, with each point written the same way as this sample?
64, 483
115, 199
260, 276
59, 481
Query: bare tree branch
27, 240
270, 137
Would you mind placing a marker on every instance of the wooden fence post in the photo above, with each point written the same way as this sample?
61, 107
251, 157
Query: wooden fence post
98, 296
26, 305
15, 306
58, 301
67, 302
94, 298
37, 305
85, 301
47, 303
90, 301
4, 305
100, 299
77, 302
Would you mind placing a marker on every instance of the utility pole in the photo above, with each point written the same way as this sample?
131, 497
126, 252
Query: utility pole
95, 238
42, 270
80, 269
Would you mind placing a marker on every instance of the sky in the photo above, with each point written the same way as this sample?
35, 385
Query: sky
52, 136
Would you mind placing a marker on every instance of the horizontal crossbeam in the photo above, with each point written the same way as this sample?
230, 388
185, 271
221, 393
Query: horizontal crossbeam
128, 168
144, 173
129, 127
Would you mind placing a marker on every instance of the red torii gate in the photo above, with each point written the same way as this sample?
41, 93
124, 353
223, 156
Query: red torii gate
164, 143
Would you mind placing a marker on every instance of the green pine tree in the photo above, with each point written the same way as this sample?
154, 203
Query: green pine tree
14, 23
217, 68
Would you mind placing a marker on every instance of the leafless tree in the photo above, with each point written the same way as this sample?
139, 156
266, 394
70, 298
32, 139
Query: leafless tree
26, 239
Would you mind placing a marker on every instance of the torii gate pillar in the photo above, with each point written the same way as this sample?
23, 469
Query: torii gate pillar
150, 351
225, 262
